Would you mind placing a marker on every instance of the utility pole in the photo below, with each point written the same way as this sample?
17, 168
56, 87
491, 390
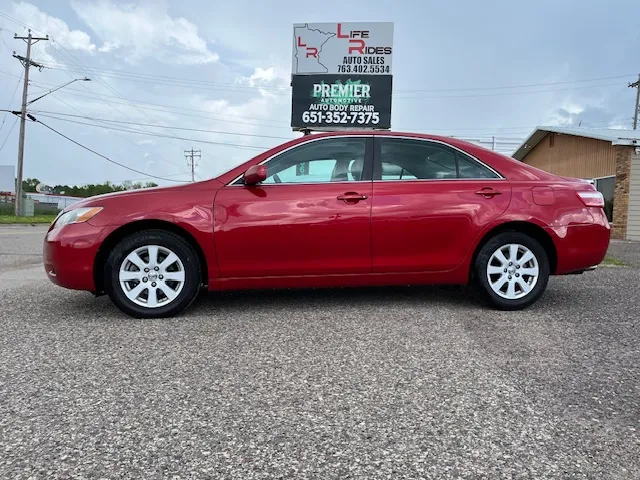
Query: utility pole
636, 85
26, 62
190, 155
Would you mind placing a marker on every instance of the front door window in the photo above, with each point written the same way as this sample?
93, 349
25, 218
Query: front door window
331, 160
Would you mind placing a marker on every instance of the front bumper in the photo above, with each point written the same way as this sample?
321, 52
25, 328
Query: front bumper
69, 253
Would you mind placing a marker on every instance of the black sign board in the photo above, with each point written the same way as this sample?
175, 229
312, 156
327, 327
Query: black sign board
341, 101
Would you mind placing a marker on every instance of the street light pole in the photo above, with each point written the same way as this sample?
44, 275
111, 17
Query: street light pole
27, 62
85, 79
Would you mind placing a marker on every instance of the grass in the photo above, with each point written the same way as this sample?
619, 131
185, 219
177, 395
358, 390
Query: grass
613, 262
13, 220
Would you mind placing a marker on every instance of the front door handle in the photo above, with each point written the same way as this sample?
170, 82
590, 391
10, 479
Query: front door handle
488, 192
352, 197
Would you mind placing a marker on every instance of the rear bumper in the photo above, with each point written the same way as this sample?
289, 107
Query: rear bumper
580, 272
581, 247
69, 253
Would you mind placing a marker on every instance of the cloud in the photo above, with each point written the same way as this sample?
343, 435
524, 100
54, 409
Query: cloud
56, 28
572, 114
261, 76
137, 30
267, 80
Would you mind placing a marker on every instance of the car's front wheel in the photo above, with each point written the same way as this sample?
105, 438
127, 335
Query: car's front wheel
151, 274
512, 270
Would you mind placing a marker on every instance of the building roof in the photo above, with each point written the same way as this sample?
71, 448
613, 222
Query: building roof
615, 136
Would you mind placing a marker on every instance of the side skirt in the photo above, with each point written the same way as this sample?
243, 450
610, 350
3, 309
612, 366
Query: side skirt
453, 277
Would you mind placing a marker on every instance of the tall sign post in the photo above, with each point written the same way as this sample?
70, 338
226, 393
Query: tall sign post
341, 76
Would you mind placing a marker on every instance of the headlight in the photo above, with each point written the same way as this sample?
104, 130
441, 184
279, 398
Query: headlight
77, 215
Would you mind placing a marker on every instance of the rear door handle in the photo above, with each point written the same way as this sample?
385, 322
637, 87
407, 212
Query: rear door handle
352, 197
488, 192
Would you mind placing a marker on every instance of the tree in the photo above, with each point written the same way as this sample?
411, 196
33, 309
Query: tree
29, 185
91, 189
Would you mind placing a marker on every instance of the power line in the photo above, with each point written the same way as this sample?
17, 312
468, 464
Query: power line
113, 132
169, 127
201, 86
500, 94
107, 85
532, 92
11, 74
125, 73
170, 109
3, 42
10, 101
139, 179
143, 132
78, 62
211, 116
103, 84
173, 80
105, 157
397, 93
247, 134
501, 132
505, 87
9, 134
116, 109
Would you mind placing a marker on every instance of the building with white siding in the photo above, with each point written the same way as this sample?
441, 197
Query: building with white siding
62, 201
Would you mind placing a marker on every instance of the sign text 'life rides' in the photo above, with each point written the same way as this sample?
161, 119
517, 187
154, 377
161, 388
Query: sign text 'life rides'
334, 48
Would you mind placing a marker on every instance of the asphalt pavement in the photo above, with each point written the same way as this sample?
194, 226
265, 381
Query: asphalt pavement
353, 383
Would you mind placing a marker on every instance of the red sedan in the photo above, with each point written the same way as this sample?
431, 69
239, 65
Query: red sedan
335, 210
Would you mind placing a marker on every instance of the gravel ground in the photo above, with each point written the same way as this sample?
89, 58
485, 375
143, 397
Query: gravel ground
628, 252
20, 246
363, 383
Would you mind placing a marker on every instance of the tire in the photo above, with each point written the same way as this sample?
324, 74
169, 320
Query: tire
513, 289
171, 283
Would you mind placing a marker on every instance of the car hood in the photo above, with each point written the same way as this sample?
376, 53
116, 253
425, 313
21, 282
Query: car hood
98, 199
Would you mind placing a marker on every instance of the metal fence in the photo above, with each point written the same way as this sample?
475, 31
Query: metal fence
9, 208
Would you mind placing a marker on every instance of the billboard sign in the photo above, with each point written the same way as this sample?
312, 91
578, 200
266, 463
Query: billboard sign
7, 179
342, 48
341, 101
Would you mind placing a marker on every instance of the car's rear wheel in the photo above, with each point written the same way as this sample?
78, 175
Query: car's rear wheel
512, 270
152, 274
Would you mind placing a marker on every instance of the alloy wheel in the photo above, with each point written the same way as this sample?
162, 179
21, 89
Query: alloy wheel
513, 271
152, 276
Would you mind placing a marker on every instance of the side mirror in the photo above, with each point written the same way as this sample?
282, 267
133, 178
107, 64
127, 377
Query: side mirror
255, 174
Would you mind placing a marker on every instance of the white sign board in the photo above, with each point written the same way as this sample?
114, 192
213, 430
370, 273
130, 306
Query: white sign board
7, 179
342, 48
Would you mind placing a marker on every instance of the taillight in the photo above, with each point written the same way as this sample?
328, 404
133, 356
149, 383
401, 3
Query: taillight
591, 199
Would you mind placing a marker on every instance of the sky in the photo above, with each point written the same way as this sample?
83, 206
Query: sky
165, 68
